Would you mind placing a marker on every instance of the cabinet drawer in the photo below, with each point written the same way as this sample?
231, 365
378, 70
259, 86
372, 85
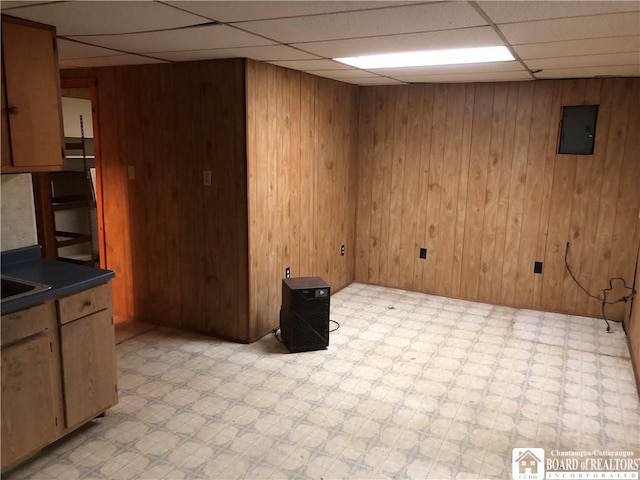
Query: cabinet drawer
25, 323
84, 303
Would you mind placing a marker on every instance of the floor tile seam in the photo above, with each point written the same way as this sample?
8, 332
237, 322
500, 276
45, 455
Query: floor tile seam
139, 452
259, 463
270, 439
77, 449
351, 437
227, 448
41, 475
332, 410
264, 460
219, 450
565, 347
120, 447
67, 467
458, 464
293, 451
367, 419
89, 473
385, 426
484, 456
393, 448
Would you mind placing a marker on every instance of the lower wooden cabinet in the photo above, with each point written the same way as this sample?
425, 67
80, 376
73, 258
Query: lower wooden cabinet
58, 370
30, 382
88, 367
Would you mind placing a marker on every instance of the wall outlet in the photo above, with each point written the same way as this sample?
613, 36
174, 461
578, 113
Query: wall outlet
423, 253
287, 272
206, 178
537, 267
342, 250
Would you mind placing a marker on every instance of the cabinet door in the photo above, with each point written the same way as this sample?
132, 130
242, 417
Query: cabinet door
32, 96
88, 367
4, 133
28, 401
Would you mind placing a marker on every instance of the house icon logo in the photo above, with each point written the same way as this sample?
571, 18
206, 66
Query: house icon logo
527, 463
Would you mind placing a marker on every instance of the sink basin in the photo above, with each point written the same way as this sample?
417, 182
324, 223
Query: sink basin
16, 288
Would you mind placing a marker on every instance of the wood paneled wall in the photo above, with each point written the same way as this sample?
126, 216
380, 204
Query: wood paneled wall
470, 172
632, 325
302, 159
179, 248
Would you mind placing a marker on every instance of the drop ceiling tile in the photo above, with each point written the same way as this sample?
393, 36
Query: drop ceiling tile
191, 38
451, 69
310, 65
114, 60
522, 11
463, 38
342, 74
372, 81
264, 54
386, 21
466, 77
249, 10
107, 17
68, 50
579, 47
611, 71
615, 25
585, 61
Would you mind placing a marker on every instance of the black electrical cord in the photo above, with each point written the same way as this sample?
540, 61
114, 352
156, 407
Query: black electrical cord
275, 334
603, 300
279, 337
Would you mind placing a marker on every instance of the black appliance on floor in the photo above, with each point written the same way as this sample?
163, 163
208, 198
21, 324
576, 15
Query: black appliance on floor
304, 314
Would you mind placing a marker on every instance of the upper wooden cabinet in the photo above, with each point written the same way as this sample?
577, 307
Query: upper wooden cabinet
32, 138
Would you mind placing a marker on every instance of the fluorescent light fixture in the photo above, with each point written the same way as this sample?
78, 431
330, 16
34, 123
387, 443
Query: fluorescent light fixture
430, 58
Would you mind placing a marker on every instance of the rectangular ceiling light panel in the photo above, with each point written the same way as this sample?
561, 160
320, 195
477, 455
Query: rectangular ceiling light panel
430, 58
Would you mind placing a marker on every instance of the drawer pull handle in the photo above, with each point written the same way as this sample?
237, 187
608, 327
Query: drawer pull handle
87, 303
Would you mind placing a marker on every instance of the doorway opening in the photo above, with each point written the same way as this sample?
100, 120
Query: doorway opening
69, 202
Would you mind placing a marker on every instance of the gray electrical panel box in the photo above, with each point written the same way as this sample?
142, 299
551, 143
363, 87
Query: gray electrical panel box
578, 131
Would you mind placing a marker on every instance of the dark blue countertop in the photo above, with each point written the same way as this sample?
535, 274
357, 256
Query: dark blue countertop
65, 278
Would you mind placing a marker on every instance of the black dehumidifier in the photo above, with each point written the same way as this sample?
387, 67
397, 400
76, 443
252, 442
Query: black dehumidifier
304, 314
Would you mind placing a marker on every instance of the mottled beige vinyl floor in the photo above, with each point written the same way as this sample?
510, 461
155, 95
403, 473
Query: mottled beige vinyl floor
411, 386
